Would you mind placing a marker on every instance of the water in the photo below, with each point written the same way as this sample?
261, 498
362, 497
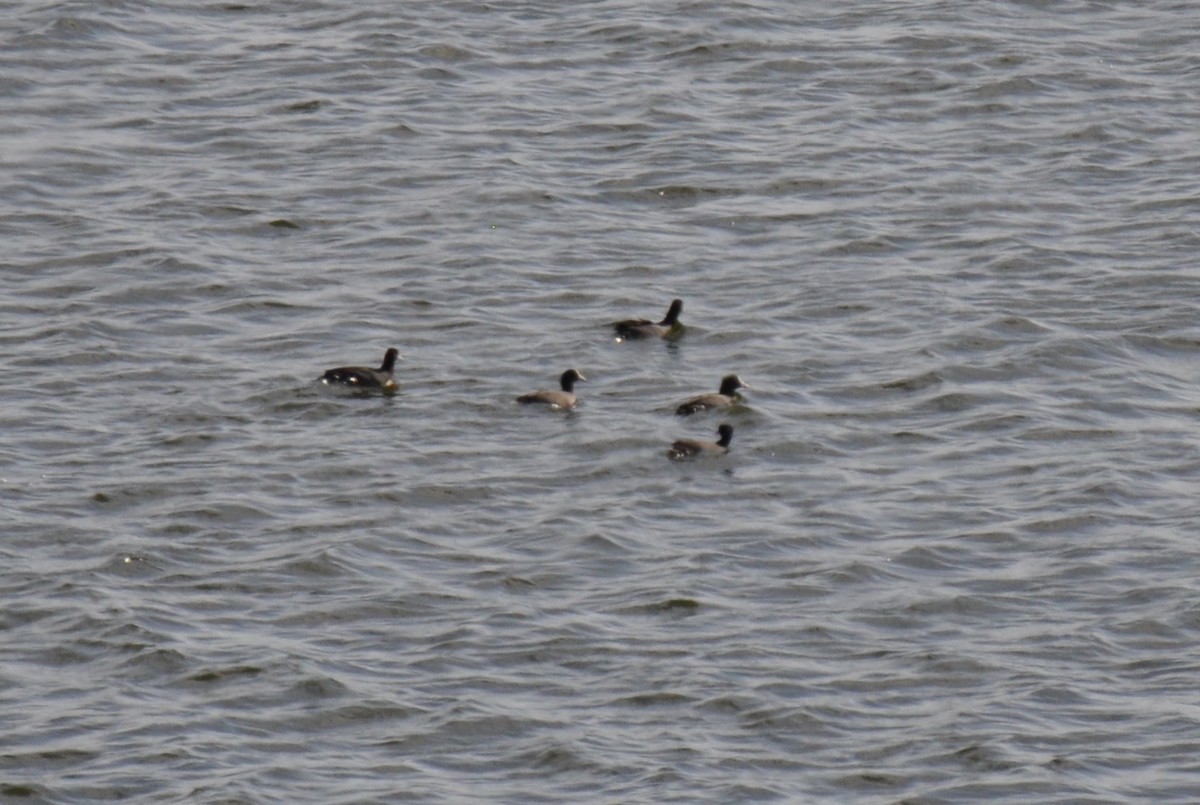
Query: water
950, 558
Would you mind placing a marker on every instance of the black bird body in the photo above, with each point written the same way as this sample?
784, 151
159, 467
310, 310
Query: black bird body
363, 377
724, 398
691, 448
564, 397
669, 327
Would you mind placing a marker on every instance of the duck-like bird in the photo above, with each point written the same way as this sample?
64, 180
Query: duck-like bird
363, 377
562, 398
691, 448
724, 398
669, 327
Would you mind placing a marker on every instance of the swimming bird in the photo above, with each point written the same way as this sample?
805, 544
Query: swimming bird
362, 377
557, 399
724, 398
690, 448
669, 327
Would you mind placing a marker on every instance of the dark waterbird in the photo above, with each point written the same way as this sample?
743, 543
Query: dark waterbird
691, 448
363, 377
724, 398
563, 398
669, 327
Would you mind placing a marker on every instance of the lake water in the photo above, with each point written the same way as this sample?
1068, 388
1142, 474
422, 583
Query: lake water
952, 557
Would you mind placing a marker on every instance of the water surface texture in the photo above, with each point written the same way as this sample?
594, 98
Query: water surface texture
952, 556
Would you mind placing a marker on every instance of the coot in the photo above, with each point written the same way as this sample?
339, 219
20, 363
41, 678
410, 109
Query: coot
690, 448
669, 327
724, 398
565, 398
363, 377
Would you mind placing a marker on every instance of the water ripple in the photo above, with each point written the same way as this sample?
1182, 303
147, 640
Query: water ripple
947, 559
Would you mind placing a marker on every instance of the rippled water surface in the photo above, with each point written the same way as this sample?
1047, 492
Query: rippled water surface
951, 557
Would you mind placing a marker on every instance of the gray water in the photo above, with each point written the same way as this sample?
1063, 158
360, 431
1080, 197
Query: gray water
951, 557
